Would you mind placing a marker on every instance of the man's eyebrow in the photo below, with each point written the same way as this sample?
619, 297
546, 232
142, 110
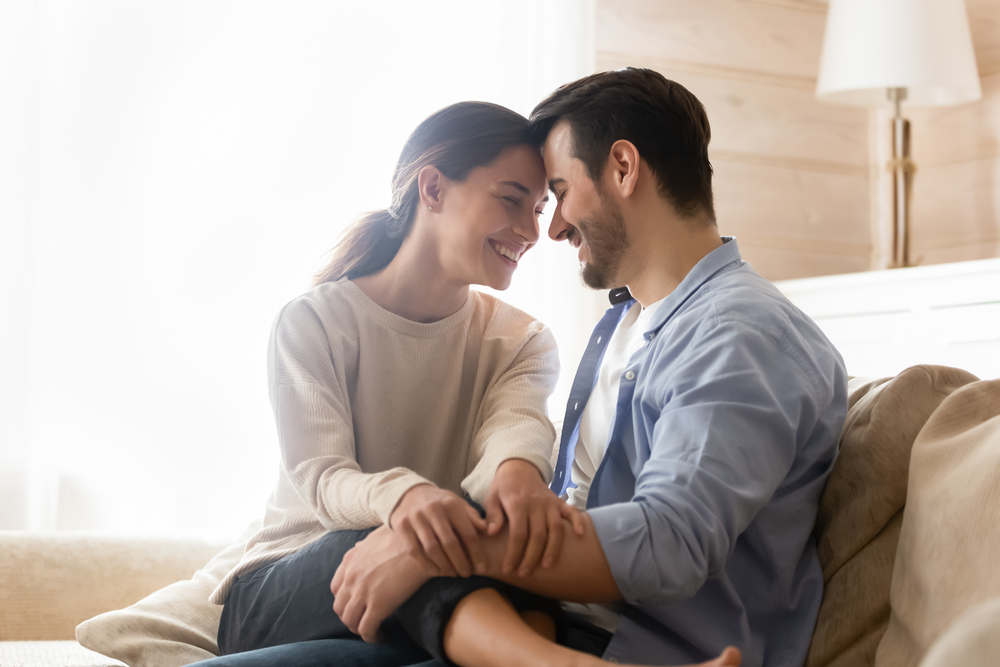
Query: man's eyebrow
517, 186
554, 182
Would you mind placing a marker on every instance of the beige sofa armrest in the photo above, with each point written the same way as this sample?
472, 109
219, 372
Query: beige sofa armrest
51, 582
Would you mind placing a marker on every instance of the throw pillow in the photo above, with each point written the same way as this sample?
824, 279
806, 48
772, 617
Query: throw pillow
174, 626
860, 513
947, 557
973, 640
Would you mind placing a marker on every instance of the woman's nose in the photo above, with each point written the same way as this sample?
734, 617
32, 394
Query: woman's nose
527, 228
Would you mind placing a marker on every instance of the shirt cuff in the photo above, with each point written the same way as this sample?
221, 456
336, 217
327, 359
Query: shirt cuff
624, 536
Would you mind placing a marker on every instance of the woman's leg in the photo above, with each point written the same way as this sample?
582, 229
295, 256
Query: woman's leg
289, 601
486, 631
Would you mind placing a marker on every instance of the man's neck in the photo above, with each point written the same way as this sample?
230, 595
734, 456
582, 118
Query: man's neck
663, 251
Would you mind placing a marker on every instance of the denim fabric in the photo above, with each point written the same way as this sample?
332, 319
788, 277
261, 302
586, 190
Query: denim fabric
289, 600
324, 653
581, 636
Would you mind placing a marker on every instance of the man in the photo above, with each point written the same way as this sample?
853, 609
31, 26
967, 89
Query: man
717, 405
703, 420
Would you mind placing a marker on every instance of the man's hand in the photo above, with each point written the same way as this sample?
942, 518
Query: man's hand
376, 576
535, 514
440, 529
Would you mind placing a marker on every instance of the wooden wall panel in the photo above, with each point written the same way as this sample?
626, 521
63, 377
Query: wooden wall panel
945, 135
765, 38
787, 207
984, 23
955, 205
791, 173
764, 119
780, 264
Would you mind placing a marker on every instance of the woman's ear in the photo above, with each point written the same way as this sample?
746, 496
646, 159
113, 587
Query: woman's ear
623, 160
430, 183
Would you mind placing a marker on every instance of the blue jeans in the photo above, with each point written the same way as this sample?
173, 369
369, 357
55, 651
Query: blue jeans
581, 636
326, 653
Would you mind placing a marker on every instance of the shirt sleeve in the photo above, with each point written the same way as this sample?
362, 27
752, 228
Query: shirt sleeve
515, 424
312, 413
724, 422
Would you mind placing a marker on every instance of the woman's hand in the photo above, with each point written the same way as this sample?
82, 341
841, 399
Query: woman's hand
535, 514
441, 530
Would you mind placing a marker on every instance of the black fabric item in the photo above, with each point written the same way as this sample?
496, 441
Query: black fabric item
427, 613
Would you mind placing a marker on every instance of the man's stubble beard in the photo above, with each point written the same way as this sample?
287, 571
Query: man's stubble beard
607, 241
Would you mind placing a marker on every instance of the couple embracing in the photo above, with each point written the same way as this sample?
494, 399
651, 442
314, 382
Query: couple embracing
417, 518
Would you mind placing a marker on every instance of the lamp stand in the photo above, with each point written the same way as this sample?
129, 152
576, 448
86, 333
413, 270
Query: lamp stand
902, 168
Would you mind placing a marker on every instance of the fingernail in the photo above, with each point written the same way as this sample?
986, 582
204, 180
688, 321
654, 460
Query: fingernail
524, 573
480, 567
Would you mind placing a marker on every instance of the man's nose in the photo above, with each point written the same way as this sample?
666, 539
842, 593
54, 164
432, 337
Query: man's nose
559, 228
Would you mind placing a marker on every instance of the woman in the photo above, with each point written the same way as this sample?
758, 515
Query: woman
396, 390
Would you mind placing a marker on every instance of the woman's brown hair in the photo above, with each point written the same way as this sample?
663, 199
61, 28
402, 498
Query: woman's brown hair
456, 140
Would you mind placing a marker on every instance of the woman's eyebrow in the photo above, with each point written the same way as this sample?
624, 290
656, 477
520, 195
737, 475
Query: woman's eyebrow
517, 186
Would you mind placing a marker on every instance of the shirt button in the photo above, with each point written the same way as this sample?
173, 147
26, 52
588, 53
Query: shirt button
599, 340
630, 375
576, 405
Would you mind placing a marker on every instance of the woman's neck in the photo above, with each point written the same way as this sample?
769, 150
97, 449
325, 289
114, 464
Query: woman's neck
414, 286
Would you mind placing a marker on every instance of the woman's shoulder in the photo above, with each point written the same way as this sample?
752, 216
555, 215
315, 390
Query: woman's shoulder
326, 305
501, 318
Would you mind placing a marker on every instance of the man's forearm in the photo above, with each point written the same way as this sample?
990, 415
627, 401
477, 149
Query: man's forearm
580, 573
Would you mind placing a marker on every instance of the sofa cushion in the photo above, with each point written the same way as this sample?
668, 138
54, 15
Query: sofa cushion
103, 572
973, 640
860, 513
174, 626
950, 538
52, 654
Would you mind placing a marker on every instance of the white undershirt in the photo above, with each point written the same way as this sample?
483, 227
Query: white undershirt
599, 413
595, 430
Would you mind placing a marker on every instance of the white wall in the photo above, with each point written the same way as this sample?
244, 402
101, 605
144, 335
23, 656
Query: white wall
172, 173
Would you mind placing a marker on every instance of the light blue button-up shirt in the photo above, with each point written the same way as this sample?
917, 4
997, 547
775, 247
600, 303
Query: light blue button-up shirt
727, 426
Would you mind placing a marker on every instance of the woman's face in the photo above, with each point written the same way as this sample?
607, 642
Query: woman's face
488, 221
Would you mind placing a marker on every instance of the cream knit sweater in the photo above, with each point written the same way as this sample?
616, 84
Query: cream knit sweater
369, 404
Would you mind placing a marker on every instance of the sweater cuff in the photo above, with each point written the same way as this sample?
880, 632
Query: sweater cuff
388, 495
477, 484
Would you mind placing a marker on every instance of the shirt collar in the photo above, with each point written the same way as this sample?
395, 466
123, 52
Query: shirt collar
708, 266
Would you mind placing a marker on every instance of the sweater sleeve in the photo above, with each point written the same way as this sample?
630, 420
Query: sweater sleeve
309, 397
515, 424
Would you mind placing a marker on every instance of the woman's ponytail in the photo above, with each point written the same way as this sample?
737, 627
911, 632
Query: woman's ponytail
456, 140
365, 247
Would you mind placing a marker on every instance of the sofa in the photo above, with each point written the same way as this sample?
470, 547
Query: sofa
908, 534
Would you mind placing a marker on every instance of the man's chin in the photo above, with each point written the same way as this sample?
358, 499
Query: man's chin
594, 278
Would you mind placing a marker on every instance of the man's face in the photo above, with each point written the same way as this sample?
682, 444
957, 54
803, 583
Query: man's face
585, 216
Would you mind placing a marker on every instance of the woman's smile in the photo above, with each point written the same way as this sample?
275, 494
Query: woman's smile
506, 253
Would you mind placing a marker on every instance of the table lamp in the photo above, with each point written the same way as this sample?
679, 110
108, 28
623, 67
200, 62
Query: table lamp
885, 52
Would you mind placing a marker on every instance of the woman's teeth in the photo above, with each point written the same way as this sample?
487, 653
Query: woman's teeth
513, 256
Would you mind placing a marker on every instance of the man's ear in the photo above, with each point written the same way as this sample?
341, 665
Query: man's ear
430, 184
623, 161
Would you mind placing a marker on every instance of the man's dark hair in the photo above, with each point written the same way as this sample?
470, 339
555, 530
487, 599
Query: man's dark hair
665, 122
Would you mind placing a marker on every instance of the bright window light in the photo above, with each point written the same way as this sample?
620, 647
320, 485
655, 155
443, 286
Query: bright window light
174, 171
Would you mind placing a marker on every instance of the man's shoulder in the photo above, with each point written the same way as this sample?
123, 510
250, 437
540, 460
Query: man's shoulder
743, 314
741, 297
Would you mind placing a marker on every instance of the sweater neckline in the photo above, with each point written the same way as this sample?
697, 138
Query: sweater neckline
403, 325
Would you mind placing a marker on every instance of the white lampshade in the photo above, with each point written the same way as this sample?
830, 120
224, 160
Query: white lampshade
921, 45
